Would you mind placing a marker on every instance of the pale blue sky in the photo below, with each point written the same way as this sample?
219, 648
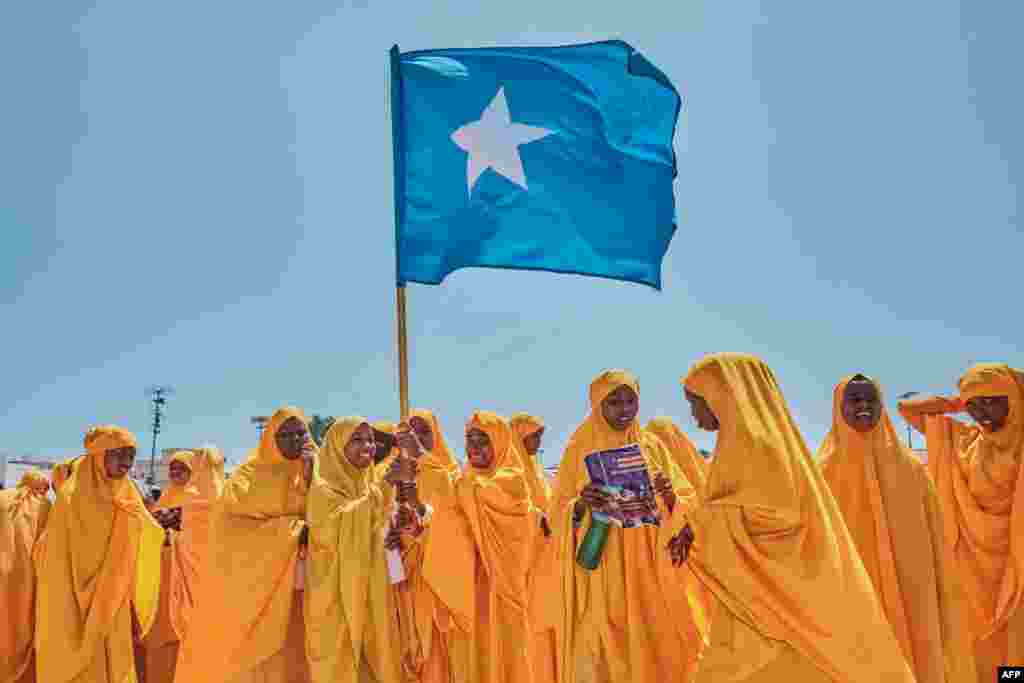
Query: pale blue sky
199, 194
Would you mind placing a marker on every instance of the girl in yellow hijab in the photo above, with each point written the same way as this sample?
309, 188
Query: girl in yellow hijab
890, 507
248, 627
628, 619
436, 600
99, 572
543, 581
23, 513
178, 571
794, 602
977, 472
684, 454
351, 626
495, 499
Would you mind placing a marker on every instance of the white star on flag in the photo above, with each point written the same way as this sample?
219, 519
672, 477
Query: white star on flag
493, 142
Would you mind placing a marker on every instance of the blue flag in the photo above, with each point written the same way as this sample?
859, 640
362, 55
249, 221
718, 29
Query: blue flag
552, 158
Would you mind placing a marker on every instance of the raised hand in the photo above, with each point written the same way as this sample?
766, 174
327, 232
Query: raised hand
663, 487
407, 441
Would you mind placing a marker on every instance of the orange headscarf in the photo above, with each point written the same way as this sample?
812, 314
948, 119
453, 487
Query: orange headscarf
23, 514
249, 581
979, 480
772, 546
102, 557
682, 450
523, 425
440, 456
624, 607
176, 495
891, 510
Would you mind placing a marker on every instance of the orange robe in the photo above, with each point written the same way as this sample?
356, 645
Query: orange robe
23, 513
247, 626
99, 572
351, 624
505, 528
633, 618
793, 601
436, 601
978, 476
891, 509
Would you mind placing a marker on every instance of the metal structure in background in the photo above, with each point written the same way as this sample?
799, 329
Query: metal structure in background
158, 395
910, 432
260, 421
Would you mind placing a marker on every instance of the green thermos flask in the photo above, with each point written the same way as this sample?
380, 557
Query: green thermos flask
588, 555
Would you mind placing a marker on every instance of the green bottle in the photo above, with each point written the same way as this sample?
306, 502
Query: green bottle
588, 555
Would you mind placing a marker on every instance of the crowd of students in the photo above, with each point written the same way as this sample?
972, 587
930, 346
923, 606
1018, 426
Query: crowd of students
377, 557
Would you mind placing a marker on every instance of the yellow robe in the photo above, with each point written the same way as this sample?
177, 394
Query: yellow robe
179, 573
618, 620
543, 581
793, 600
100, 562
978, 478
23, 513
248, 625
505, 528
891, 509
351, 624
436, 602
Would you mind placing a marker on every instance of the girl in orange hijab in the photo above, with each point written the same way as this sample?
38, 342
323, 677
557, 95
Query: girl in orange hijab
977, 472
628, 619
178, 571
249, 627
99, 572
436, 600
793, 601
23, 513
889, 505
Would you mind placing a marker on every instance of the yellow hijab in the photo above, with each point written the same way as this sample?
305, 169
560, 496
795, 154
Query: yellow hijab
771, 543
441, 456
980, 484
682, 450
891, 510
176, 495
250, 576
523, 425
208, 472
23, 513
347, 566
102, 556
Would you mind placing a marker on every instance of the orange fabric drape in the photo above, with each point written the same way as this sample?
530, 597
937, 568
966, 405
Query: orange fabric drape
247, 625
505, 526
793, 600
101, 562
23, 513
615, 619
437, 602
978, 478
892, 512
351, 625
682, 450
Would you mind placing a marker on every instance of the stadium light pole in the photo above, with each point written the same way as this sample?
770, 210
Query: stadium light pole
910, 433
158, 395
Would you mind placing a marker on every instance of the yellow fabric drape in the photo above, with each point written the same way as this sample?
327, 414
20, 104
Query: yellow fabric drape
351, 626
793, 600
381, 468
684, 453
243, 628
179, 569
101, 560
58, 475
505, 526
978, 478
436, 601
615, 619
542, 583
892, 512
23, 513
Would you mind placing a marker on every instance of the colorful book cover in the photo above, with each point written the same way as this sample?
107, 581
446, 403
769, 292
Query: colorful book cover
623, 473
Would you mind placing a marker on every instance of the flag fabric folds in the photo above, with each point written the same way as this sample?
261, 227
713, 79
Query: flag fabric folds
550, 158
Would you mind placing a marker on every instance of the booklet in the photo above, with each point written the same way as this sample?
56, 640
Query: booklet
623, 473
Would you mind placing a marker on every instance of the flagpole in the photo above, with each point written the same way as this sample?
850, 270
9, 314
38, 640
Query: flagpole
403, 353
393, 102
